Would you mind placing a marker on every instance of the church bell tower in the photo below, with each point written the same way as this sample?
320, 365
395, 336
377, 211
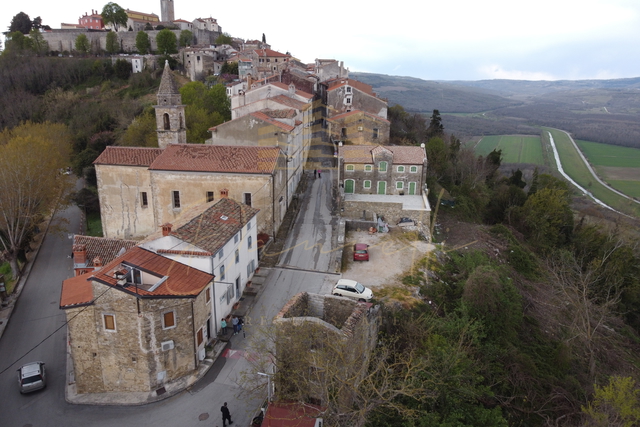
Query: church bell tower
170, 116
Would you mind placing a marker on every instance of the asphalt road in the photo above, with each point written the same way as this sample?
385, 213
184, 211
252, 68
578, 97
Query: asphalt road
36, 317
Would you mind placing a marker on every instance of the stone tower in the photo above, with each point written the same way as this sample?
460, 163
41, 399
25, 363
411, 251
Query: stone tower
166, 11
169, 112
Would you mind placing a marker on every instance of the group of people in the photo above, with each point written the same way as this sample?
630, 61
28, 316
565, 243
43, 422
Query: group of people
236, 322
317, 173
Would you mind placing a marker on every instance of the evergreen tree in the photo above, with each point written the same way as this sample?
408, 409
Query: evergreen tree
435, 125
21, 22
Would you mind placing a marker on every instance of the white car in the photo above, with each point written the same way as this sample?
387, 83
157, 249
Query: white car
352, 289
32, 377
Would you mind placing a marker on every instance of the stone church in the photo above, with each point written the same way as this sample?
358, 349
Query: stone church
140, 189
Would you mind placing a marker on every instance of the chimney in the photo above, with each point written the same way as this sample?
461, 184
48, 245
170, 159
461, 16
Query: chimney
97, 262
166, 229
80, 254
224, 193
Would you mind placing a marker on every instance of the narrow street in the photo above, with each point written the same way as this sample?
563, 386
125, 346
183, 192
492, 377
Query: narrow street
304, 266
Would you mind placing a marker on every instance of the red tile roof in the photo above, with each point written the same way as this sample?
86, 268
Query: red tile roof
406, 155
106, 249
217, 225
352, 112
266, 53
76, 291
284, 414
339, 82
265, 118
181, 280
217, 158
127, 156
298, 92
289, 102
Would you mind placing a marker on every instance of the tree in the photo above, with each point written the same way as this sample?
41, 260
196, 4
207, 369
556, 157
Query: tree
113, 46
143, 44
122, 69
547, 219
614, 405
82, 44
148, 27
16, 41
264, 38
223, 38
229, 68
21, 22
435, 126
38, 43
36, 24
29, 184
115, 15
186, 38
167, 42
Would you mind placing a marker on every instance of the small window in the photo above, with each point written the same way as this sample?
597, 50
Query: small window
400, 168
350, 168
399, 185
176, 199
169, 320
348, 89
207, 294
109, 322
344, 132
143, 199
368, 168
248, 226
375, 133
249, 242
237, 256
221, 253
413, 169
348, 100
367, 184
382, 166
247, 199
236, 238
209, 196
222, 276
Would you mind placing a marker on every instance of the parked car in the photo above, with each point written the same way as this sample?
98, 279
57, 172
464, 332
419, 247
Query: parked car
361, 252
32, 377
352, 289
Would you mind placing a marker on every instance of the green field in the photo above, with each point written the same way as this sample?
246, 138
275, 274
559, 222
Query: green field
610, 155
574, 167
515, 148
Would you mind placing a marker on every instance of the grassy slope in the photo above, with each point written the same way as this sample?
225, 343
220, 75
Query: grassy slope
515, 148
578, 171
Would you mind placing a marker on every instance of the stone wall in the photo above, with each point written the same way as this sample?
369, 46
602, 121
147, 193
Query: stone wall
360, 129
392, 212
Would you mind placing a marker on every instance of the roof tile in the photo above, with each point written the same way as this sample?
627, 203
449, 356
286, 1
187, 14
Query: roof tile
406, 155
106, 249
127, 156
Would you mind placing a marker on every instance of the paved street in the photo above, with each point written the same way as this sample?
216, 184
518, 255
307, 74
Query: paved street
36, 316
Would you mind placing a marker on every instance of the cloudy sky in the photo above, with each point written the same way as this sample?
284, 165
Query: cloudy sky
433, 40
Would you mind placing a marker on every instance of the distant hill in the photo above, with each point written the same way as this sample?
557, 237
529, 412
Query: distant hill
606, 111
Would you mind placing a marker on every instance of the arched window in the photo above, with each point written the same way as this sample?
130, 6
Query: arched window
167, 124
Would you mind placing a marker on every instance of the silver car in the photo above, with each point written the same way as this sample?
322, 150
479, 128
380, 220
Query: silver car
32, 377
352, 289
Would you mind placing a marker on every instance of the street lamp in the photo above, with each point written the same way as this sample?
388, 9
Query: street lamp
268, 384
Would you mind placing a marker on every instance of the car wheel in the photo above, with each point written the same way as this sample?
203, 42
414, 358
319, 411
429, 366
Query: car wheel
338, 295
361, 300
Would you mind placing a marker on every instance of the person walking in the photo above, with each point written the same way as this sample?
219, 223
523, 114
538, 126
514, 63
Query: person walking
226, 415
315, 173
223, 325
319, 173
235, 322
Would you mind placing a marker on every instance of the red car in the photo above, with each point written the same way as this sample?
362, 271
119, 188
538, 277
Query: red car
361, 252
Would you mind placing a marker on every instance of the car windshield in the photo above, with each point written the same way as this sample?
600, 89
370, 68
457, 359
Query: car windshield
359, 288
361, 251
32, 379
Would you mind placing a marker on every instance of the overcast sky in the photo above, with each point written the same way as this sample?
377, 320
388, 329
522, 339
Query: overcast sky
436, 40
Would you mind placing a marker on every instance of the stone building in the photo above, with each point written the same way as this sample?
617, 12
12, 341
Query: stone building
166, 11
359, 128
218, 238
170, 117
321, 339
92, 22
345, 95
142, 188
140, 322
387, 181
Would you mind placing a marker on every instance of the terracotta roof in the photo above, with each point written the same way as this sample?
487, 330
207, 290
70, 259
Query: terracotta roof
284, 414
352, 112
364, 153
178, 252
106, 249
285, 113
289, 102
298, 92
212, 229
76, 291
262, 116
181, 280
217, 158
270, 53
339, 82
168, 84
127, 156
